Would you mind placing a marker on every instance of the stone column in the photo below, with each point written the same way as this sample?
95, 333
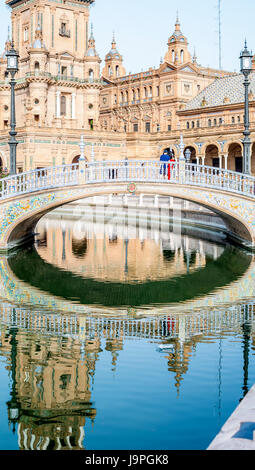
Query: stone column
203, 161
226, 160
220, 161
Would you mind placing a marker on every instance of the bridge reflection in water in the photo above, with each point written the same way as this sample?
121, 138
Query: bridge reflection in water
52, 362
56, 320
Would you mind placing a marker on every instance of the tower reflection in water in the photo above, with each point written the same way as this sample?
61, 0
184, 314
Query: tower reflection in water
52, 362
52, 358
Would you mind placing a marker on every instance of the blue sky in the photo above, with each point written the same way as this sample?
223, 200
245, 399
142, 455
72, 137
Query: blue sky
142, 28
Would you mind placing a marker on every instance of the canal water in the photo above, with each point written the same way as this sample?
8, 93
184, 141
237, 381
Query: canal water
123, 329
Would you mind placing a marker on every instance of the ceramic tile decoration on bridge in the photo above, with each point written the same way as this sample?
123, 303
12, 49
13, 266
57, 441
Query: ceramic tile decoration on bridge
26, 197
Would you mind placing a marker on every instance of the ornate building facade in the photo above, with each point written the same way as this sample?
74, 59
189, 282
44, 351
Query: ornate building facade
61, 93
58, 86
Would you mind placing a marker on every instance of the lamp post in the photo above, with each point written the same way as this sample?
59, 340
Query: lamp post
13, 404
82, 148
246, 64
187, 154
12, 68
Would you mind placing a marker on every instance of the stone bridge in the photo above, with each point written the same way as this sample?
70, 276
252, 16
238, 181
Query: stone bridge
26, 197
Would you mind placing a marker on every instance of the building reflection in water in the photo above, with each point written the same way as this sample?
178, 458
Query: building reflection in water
52, 362
120, 246
52, 357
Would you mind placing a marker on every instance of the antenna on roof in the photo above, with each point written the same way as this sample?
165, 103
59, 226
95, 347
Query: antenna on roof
219, 20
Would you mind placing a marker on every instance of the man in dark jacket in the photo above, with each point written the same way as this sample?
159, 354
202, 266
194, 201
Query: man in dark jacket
165, 157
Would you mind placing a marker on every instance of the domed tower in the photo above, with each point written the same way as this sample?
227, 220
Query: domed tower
113, 63
92, 60
92, 76
37, 52
177, 53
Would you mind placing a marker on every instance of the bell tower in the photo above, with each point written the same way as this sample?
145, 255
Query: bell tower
177, 53
113, 63
64, 26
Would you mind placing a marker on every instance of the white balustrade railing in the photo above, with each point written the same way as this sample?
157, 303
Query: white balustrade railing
40, 179
127, 171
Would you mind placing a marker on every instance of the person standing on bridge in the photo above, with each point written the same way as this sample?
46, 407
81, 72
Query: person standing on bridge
165, 157
171, 165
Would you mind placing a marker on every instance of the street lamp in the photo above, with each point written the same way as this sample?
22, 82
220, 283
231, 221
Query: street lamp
246, 65
12, 68
187, 154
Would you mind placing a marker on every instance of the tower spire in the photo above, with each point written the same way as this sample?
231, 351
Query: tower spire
113, 40
91, 31
177, 23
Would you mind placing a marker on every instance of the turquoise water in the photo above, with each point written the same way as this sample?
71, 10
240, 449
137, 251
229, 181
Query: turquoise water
86, 316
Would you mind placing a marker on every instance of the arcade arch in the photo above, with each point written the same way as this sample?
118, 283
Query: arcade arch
76, 159
235, 157
212, 156
167, 150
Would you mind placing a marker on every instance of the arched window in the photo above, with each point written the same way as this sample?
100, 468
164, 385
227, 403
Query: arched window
91, 75
215, 122
187, 125
122, 97
138, 93
126, 96
117, 71
182, 55
109, 70
63, 105
134, 95
192, 124
209, 123
37, 67
173, 55
150, 92
233, 120
145, 92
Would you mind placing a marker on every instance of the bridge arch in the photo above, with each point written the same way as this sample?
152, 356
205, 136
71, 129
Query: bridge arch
30, 208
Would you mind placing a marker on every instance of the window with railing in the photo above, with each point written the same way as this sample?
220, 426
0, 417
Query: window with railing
63, 31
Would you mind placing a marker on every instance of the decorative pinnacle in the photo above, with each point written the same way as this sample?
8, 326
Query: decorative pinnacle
113, 39
91, 31
177, 23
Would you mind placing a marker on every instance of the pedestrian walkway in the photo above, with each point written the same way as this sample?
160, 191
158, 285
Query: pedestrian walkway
238, 433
